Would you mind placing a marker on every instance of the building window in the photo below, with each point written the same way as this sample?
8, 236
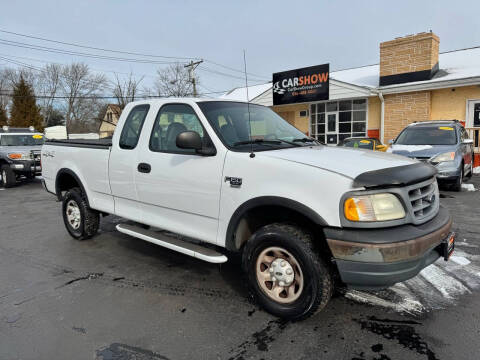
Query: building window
303, 113
333, 121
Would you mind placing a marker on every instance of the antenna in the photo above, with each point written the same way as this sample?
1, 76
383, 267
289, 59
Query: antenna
252, 155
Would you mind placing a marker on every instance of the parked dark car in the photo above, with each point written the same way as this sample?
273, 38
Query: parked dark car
369, 143
442, 143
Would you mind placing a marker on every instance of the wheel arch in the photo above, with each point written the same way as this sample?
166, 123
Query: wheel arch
67, 179
263, 210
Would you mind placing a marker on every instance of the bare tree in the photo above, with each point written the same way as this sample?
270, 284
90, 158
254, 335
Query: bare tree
173, 81
126, 90
5, 90
48, 85
9, 78
82, 90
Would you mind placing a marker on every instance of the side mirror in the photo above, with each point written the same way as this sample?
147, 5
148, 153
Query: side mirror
468, 141
192, 140
189, 140
390, 141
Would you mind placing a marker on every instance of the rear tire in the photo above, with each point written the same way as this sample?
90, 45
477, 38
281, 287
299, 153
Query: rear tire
81, 221
302, 282
9, 179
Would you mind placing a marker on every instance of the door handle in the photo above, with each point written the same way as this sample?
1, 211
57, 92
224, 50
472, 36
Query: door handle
144, 168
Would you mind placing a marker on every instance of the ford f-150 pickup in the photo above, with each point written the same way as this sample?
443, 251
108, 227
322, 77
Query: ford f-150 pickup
238, 179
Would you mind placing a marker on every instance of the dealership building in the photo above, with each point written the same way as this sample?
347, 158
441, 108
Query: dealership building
412, 82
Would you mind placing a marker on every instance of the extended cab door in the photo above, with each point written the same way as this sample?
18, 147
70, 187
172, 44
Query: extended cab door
178, 189
123, 161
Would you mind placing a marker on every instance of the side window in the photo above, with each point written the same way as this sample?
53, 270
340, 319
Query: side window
173, 119
133, 126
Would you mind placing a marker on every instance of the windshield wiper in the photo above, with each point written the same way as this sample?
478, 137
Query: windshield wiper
257, 141
305, 140
265, 142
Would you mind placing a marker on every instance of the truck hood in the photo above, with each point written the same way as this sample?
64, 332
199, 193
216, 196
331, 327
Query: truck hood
415, 151
345, 161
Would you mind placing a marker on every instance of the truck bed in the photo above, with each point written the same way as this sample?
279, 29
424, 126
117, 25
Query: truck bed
85, 143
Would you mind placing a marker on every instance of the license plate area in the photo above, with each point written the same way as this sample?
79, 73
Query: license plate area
448, 246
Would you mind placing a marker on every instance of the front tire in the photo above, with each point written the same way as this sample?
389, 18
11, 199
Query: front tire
81, 221
286, 275
9, 179
457, 186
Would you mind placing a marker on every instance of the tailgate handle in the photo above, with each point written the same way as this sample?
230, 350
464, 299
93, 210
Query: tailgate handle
144, 168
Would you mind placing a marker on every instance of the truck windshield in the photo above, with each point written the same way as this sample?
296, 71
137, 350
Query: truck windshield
263, 130
21, 140
427, 135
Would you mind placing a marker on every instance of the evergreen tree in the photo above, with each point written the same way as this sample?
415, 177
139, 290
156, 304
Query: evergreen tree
25, 112
3, 117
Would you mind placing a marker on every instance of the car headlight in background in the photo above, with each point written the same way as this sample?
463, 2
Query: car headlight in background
19, 156
376, 207
448, 156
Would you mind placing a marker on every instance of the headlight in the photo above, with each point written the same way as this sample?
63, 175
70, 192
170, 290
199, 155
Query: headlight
448, 156
376, 207
19, 156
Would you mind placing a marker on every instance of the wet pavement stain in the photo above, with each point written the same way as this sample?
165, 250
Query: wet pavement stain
117, 351
89, 276
259, 340
377, 348
79, 329
402, 331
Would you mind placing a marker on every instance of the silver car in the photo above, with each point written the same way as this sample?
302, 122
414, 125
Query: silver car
442, 143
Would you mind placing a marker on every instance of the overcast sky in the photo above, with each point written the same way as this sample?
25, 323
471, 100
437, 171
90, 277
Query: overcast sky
277, 35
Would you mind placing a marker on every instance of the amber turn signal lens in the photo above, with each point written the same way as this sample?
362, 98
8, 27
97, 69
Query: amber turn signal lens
15, 156
350, 210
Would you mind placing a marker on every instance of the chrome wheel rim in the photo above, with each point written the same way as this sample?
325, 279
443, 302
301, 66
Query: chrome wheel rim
4, 177
279, 275
73, 214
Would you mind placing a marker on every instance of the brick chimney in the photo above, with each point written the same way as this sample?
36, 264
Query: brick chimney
409, 58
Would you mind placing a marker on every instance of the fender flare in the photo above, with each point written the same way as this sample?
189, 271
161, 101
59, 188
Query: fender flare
268, 201
77, 179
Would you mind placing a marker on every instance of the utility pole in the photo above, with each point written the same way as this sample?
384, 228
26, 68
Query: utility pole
191, 74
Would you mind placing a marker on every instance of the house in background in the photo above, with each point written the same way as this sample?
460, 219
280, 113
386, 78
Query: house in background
412, 82
110, 120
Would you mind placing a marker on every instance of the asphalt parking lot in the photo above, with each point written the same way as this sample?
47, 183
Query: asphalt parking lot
117, 297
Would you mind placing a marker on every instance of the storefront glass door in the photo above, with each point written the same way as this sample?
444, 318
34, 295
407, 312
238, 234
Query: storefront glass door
332, 128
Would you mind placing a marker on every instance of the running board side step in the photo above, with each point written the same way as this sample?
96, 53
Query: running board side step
184, 247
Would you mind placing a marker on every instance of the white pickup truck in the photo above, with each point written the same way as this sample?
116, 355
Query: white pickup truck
239, 179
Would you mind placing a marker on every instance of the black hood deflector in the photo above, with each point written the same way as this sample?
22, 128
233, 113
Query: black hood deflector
396, 176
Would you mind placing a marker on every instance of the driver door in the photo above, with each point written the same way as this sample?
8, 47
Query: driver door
178, 189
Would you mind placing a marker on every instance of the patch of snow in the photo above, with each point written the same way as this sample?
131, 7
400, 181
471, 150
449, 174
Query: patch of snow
448, 286
460, 260
408, 148
468, 187
406, 305
240, 93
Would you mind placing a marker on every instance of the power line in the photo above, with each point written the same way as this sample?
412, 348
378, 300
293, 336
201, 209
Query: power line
127, 52
82, 54
67, 52
96, 48
61, 64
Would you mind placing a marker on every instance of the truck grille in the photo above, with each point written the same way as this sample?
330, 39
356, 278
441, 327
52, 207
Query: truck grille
35, 155
424, 199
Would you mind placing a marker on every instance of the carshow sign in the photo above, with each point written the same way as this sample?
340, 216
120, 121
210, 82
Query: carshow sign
301, 85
